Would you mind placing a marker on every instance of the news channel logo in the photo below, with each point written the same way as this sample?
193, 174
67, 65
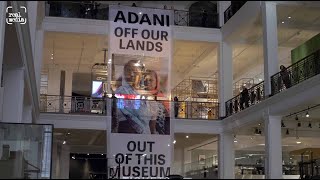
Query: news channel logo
16, 17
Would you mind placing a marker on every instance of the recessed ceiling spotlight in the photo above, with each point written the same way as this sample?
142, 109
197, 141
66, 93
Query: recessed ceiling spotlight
289, 17
187, 137
64, 142
298, 142
282, 22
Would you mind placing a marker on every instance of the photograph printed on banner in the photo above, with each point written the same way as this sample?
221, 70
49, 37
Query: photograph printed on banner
140, 84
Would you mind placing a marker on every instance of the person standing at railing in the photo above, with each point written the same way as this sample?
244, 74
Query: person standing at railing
176, 106
285, 76
204, 18
244, 98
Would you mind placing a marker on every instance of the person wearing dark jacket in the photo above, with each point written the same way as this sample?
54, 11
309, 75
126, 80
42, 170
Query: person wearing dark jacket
244, 98
285, 76
176, 106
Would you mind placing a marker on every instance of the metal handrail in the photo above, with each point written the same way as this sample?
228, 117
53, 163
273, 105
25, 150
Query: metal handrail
72, 104
298, 72
197, 110
89, 105
239, 103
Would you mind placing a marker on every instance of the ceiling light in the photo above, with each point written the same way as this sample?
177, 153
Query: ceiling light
51, 58
64, 142
307, 114
52, 54
101, 154
68, 133
282, 22
73, 157
259, 124
235, 141
298, 142
289, 17
88, 154
187, 137
168, 144
140, 13
174, 141
245, 84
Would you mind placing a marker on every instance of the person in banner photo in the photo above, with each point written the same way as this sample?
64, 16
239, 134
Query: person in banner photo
137, 116
160, 109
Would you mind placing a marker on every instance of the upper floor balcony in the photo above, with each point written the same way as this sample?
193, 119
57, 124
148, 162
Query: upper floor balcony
195, 17
287, 78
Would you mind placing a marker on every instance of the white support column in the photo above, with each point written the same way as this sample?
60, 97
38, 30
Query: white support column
222, 6
32, 18
3, 5
38, 57
53, 102
13, 95
68, 90
273, 147
65, 161
27, 114
226, 153
270, 43
225, 74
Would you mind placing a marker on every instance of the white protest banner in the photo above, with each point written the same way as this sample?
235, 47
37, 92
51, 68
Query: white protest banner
140, 137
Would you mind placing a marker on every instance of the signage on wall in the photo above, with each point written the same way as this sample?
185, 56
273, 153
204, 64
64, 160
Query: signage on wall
140, 136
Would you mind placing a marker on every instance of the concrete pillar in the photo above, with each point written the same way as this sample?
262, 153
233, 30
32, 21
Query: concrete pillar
53, 102
3, 5
225, 75
270, 43
178, 164
55, 161
27, 114
32, 19
187, 160
226, 155
13, 95
68, 91
222, 6
38, 53
273, 145
65, 161
60, 161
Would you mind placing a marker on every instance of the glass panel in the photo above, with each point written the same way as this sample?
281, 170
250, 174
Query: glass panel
25, 151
